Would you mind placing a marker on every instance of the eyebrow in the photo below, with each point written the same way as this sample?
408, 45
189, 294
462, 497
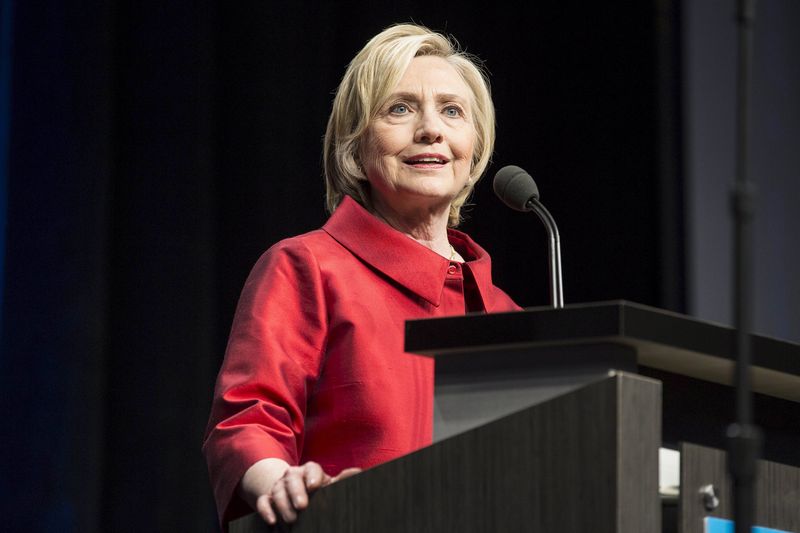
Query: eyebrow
443, 97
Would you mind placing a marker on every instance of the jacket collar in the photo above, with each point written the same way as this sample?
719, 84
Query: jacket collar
404, 260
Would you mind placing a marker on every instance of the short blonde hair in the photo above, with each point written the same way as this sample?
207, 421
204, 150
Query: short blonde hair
367, 84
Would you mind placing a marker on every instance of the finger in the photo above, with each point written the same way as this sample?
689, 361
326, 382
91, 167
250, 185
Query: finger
281, 502
296, 488
314, 476
264, 509
346, 473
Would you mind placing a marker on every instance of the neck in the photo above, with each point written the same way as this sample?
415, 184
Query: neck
426, 226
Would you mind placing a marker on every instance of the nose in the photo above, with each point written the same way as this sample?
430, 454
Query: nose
429, 128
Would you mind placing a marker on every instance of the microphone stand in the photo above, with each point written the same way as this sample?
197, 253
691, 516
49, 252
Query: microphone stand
554, 251
744, 438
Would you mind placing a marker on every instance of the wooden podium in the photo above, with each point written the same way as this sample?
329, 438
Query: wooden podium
551, 420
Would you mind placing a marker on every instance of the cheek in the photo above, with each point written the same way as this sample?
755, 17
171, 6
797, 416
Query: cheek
464, 147
389, 139
372, 150
374, 160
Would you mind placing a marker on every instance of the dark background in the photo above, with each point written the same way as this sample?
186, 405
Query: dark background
153, 150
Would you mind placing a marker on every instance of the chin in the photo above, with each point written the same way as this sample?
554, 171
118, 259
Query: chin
431, 197
433, 190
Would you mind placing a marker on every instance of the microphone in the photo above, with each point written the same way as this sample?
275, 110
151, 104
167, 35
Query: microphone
517, 190
515, 187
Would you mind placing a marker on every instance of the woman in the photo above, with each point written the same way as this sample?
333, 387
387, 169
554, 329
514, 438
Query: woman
315, 380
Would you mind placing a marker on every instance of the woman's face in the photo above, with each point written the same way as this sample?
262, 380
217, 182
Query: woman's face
418, 150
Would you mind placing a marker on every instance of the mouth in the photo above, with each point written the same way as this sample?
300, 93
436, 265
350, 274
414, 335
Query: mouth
427, 160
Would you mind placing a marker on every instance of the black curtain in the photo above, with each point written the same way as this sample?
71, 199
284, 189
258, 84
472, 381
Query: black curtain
156, 149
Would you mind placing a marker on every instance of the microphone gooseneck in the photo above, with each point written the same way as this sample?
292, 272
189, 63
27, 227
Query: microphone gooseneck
517, 190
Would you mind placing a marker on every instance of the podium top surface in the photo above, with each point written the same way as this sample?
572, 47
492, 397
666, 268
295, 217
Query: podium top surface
662, 339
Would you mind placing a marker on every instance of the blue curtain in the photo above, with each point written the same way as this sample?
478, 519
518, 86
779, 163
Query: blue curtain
6, 38
158, 148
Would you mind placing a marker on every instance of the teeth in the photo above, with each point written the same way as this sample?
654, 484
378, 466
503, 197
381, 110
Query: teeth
427, 160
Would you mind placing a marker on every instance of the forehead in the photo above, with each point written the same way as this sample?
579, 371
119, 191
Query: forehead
431, 74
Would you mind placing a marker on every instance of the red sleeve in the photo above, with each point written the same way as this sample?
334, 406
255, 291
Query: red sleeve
271, 363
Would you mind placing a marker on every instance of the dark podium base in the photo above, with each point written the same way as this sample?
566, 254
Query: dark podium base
584, 461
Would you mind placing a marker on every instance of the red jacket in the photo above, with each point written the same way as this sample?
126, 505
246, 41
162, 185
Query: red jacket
315, 367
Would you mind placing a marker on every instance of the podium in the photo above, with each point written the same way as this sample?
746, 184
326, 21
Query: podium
551, 420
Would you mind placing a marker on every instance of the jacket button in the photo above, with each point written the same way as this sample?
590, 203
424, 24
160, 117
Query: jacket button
452, 269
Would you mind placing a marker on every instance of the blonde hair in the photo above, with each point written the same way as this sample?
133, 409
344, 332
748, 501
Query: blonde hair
368, 82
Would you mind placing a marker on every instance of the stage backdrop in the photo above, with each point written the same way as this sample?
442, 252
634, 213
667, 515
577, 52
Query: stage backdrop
156, 149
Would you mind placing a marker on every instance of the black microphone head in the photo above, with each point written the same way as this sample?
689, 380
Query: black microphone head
515, 187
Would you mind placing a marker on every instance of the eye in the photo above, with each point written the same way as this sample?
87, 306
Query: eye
453, 111
398, 109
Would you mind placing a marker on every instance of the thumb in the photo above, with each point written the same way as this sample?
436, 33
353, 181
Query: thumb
346, 473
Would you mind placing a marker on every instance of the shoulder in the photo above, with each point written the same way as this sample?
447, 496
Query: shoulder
306, 247
304, 256
306, 241
287, 258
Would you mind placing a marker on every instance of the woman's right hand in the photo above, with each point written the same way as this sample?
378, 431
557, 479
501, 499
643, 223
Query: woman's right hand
276, 490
